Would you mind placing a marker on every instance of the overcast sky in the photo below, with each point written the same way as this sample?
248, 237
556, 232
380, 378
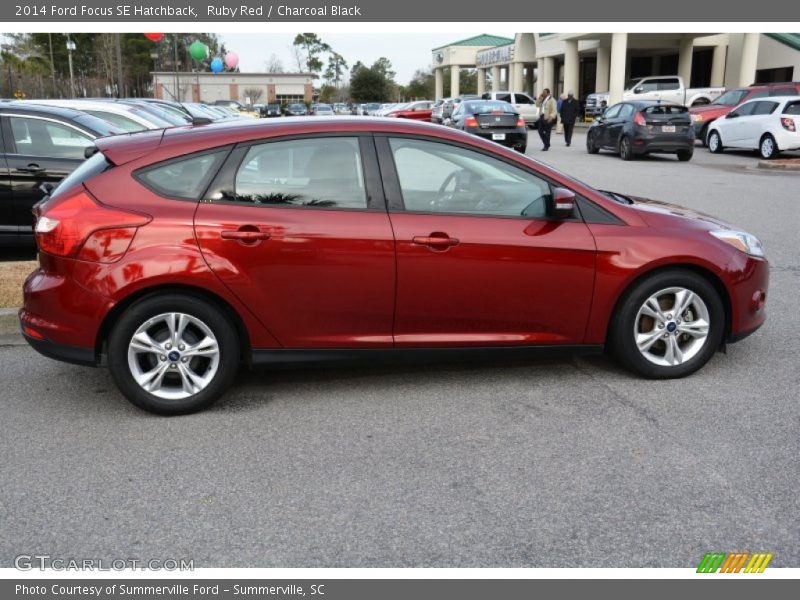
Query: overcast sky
407, 51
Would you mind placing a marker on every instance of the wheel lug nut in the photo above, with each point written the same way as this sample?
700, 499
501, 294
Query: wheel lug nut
163, 357
173, 366
185, 359
168, 346
666, 335
669, 317
661, 326
181, 347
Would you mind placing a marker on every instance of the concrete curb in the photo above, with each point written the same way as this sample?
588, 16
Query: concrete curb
9, 322
782, 165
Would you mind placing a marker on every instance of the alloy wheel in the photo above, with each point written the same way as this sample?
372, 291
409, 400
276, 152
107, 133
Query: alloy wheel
672, 326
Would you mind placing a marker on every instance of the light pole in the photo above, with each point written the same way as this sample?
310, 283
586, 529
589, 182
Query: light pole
70, 50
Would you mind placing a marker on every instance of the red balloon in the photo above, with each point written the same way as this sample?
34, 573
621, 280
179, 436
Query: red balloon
153, 37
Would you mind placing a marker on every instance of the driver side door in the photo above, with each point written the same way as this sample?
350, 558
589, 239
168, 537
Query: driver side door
478, 261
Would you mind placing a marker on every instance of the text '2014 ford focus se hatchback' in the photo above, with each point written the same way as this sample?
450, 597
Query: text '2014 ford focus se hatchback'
175, 257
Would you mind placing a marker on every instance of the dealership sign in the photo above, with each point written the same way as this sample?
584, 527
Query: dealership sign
494, 56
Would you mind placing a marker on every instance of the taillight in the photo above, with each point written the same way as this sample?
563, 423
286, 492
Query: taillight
470, 122
788, 123
521, 122
639, 119
78, 226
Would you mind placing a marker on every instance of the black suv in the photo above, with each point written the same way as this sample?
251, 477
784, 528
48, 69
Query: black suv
40, 145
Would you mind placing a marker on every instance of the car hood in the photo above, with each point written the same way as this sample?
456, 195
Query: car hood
709, 108
665, 214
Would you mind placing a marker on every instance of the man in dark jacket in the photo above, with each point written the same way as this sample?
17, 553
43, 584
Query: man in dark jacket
570, 109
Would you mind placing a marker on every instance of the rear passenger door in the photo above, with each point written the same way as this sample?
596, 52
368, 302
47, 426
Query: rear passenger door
755, 125
526, 107
297, 228
40, 151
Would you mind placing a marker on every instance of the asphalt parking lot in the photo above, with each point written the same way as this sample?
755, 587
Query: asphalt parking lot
563, 463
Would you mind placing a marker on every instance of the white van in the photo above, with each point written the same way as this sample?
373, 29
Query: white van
523, 103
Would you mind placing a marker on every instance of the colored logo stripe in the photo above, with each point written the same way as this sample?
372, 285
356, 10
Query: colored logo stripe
758, 563
734, 562
711, 562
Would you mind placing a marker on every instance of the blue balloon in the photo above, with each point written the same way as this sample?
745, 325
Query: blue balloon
216, 65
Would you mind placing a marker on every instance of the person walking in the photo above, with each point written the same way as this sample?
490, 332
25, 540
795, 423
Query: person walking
548, 114
569, 111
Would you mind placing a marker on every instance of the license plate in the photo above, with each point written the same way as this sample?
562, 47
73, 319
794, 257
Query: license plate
668, 128
502, 136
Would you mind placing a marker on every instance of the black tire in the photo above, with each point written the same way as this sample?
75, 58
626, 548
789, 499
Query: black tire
715, 142
138, 314
591, 147
703, 135
768, 147
625, 148
621, 330
521, 149
685, 155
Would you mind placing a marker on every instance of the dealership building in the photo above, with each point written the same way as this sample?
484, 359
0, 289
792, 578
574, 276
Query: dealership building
603, 62
247, 88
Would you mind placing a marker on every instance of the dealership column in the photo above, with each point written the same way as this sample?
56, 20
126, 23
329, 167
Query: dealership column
496, 78
747, 68
572, 66
455, 80
718, 65
518, 79
685, 60
439, 93
619, 51
601, 70
481, 75
548, 74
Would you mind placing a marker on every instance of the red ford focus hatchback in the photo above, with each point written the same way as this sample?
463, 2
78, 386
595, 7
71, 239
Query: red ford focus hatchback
176, 257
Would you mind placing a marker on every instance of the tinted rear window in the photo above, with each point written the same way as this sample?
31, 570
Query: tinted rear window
792, 108
666, 110
89, 168
185, 177
483, 107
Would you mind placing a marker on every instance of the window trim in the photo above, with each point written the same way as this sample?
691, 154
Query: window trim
138, 173
394, 193
373, 188
12, 142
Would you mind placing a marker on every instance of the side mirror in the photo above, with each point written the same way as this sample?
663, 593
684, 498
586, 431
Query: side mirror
562, 203
638, 89
731, 115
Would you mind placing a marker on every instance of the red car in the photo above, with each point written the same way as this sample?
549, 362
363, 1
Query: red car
175, 257
703, 115
418, 111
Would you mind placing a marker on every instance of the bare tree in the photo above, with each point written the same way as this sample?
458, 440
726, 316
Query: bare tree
253, 94
299, 57
273, 64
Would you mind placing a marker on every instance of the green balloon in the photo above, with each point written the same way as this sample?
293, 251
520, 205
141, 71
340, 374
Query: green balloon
198, 50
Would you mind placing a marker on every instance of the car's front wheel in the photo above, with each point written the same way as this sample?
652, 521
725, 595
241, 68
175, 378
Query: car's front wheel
591, 144
625, 148
715, 142
668, 325
173, 353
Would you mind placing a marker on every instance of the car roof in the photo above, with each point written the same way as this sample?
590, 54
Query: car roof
773, 99
30, 107
648, 103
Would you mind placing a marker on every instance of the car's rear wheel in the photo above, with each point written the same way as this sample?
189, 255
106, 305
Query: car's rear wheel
684, 155
715, 142
767, 147
625, 148
704, 135
173, 353
668, 325
521, 149
591, 145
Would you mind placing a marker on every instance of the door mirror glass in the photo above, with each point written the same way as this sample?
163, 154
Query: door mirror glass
638, 89
562, 203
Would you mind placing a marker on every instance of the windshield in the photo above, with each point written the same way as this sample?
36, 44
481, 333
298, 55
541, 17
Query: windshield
632, 83
488, 106
731, 98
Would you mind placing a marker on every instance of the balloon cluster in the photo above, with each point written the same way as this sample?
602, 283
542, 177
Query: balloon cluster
200, 52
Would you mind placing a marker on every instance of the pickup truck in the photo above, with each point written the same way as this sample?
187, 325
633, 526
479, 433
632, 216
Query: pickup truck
669, 88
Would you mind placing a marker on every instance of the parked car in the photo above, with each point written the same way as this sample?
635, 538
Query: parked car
595, 105
451, 103
436, 111
769, 125
522, 103
636, 128
704, 115
418, 111
341, 108
369, 108
323, 110
124, 116
296, 110
174, 116
669, 89
492, 120
40, 146
271, 111
234, 104
206, 248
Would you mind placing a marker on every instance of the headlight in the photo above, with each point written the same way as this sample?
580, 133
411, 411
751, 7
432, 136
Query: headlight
747, 243
697, 117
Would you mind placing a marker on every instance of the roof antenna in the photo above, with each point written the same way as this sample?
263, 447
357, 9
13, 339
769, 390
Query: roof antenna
195, 120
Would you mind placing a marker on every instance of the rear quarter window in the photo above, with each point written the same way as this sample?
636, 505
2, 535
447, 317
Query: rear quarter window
792, 108
185, 178
89, 168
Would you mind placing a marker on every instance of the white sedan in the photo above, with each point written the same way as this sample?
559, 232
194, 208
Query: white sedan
769, 125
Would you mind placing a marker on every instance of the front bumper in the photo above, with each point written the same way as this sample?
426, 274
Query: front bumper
749, 281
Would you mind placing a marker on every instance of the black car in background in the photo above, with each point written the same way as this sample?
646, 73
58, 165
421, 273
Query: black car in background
270, 110
492, 120
296, 110
40, 145
642, 127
